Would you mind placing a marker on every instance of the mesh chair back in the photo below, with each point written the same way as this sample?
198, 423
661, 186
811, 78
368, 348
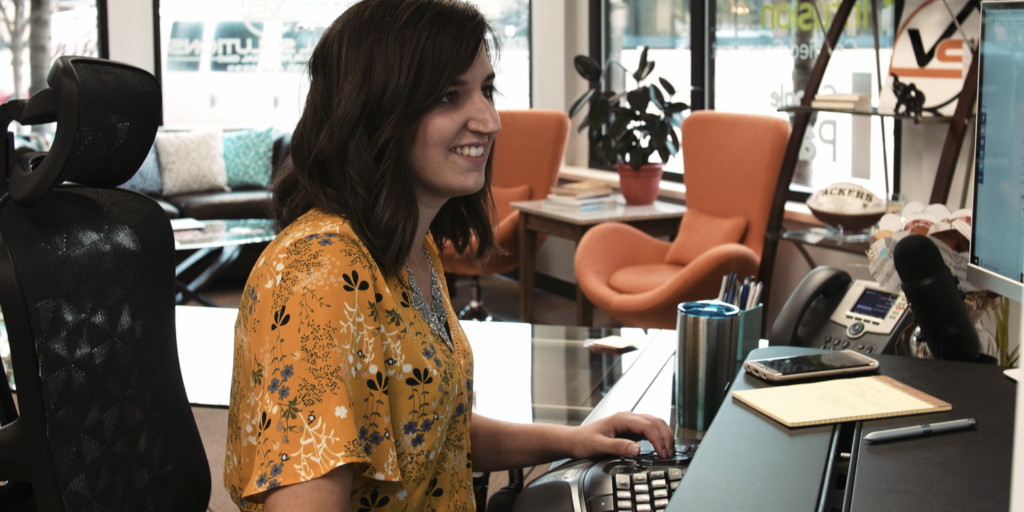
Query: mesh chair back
87, 292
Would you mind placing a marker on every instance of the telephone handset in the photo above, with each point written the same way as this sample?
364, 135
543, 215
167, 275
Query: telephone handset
832, 311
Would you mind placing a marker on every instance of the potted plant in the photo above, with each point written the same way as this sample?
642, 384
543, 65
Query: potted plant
625, 131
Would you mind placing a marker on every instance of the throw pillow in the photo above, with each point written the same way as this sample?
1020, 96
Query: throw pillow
247, 155
700, 232
147, 178
191, 162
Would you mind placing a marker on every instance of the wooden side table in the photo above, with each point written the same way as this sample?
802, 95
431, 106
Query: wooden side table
658, 219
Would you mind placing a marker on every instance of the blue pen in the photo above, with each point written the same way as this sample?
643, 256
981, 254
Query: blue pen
744, 292
732, 288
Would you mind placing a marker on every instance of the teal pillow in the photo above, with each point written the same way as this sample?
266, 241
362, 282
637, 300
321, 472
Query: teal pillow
247, 156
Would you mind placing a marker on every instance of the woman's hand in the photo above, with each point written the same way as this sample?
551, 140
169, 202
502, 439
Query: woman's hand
616, 435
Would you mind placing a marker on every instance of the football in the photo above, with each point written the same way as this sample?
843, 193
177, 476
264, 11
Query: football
846, 205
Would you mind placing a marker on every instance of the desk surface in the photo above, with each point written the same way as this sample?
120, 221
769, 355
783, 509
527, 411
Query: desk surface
748, 461
621, 212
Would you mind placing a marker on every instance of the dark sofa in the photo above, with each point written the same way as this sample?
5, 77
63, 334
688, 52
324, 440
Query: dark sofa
235, 204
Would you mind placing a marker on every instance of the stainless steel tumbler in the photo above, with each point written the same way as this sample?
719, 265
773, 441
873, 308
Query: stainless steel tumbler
705, 360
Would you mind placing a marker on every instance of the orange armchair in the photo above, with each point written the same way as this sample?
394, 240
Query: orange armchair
732, 164
528, 153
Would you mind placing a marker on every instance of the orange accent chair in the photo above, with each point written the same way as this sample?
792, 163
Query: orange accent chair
528, 154
732, 164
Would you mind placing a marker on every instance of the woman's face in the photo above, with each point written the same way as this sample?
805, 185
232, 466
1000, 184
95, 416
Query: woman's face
450, 145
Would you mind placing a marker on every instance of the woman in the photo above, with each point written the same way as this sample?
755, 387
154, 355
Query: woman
353, 382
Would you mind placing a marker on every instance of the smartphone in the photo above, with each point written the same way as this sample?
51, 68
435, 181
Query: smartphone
828, 364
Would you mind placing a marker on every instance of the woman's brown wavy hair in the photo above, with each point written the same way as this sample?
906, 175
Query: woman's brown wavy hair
377, 70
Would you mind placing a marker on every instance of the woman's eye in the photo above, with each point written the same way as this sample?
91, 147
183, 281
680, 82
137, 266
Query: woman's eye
488, 92
449, 97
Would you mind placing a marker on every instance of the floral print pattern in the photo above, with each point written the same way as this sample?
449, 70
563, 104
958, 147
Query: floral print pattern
334, 366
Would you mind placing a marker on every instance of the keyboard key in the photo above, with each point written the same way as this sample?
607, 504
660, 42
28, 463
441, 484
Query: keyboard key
660, 493
673, 485
641, 488
660, 503
623, 495
624, 505
622, 482
644, 507
658, 484
657, 474
640, 478
643, 498
675, 474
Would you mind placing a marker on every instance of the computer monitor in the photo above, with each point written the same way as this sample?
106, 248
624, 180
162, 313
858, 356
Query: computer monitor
997, 245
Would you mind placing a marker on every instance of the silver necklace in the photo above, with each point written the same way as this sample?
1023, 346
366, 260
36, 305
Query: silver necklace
437, 314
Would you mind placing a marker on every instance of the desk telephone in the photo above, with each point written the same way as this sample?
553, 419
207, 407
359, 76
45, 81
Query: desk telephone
829, 310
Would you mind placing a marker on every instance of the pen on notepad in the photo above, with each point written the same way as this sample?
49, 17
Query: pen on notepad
920, 430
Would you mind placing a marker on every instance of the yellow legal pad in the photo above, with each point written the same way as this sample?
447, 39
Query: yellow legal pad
839, 400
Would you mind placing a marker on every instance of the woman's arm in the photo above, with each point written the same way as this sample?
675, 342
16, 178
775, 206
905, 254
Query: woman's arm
499, 445
331, 492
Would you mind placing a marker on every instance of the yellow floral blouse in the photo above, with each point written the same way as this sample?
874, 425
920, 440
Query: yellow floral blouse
333, 365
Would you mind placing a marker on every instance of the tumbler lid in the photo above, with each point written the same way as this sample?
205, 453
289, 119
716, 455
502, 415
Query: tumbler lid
709, 309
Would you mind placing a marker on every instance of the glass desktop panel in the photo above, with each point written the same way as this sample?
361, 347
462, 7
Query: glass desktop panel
999, 180
527, 373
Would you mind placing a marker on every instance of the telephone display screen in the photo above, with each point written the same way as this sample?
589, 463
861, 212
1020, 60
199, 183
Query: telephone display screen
814, 363
874, 303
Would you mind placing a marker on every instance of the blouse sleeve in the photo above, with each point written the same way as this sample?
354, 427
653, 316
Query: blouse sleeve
318, 390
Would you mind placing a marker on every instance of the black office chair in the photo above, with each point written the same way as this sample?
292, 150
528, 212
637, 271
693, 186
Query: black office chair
87, 292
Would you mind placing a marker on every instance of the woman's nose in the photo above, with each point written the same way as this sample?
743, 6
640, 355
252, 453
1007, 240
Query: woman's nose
484, 117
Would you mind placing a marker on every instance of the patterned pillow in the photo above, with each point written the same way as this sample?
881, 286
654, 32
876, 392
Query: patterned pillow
247, 155
147, 178
191, 162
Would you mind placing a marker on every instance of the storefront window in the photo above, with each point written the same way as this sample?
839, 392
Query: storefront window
242, 62
765, 51
29, 44
664, 27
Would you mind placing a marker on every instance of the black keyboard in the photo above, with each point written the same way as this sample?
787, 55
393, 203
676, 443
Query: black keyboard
639, 484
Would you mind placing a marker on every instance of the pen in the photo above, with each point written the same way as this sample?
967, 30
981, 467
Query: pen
920, 430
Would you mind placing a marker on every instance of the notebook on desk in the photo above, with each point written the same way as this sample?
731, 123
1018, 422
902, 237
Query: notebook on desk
839, 400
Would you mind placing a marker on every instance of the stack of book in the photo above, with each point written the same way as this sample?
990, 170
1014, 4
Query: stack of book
842, 101
580, 196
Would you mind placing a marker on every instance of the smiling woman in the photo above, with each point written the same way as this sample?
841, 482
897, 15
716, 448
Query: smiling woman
352, 388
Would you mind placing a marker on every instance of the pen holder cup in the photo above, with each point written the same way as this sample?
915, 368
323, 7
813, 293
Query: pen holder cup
749, 334
708, 333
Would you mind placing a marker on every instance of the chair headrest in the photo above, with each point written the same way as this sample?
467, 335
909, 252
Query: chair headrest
107, 115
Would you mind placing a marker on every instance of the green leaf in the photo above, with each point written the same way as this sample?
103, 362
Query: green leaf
638, 99
639, 74
586, 122
676, 119
657, 97
647, 70
668, 86
674, 108
675, 141
582, 100
587, 67
621, 123
608, 94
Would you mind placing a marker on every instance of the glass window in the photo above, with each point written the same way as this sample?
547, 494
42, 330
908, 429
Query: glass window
242, 62
29, 46
664, 27
764, 55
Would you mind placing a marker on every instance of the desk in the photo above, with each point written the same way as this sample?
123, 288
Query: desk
523, 373
658, 219
750, 462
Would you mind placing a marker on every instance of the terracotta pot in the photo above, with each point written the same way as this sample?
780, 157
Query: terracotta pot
639, 187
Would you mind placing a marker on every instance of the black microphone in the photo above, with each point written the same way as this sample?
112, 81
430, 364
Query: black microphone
935, 300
